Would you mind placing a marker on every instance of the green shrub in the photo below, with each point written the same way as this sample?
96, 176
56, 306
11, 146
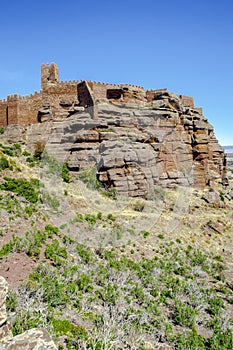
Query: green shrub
111, 217
109, 192
65, 173
88, 176
4, 164
79, 217
67, 240
221, 339
222, 197
85, 253
6, 249
32, 243
26, 153
25, 320
55, 293
51, 230
99, 216
32, 161
13, 151
84, 282
109, 294
22, 187
138, 206
191, 341
11, 301
54, 252
29, 211
184, 314
145, 233
67, 328
215, 305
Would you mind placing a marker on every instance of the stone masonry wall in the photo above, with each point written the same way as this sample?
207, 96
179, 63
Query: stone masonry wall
12, 109
60, 96
28, 109
3, 113
21, 110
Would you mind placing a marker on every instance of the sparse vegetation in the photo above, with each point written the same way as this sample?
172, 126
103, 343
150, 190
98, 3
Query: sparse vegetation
152, 288
137, 293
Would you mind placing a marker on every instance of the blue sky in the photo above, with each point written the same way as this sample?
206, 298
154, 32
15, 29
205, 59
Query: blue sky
186, 46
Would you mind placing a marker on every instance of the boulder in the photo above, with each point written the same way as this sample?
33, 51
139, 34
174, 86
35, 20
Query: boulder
33, 339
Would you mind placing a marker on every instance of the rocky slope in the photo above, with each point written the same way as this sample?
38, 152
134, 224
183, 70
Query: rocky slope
116, 231
102, 272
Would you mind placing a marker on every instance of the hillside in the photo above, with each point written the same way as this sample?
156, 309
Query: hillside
229, 151
99, 270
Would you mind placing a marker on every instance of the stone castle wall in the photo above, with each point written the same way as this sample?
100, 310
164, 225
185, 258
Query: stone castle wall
57, 98
3, 113
21, 110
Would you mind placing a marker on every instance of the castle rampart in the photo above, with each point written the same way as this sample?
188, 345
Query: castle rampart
57, 98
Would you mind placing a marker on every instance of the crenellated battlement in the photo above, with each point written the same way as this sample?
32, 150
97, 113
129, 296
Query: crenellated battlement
12, 97
28, 97
121, 85
71, 82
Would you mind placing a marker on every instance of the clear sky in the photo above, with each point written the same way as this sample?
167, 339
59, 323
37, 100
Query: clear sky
186, 46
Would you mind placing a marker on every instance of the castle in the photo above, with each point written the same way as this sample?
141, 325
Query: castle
62, 98
159, 135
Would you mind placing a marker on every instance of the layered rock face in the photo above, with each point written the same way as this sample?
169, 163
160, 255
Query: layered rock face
137, 149
163, 143
36, 338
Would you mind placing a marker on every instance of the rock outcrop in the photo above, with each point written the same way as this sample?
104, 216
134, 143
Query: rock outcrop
36, 338
5, 333
137, 139
135, 149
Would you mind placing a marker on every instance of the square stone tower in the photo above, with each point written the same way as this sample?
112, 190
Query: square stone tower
49, 75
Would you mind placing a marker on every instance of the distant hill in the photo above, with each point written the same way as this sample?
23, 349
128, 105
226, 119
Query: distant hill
228, 150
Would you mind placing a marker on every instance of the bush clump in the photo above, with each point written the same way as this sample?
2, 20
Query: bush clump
22, 187
13, 151
4, 164
55, 252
